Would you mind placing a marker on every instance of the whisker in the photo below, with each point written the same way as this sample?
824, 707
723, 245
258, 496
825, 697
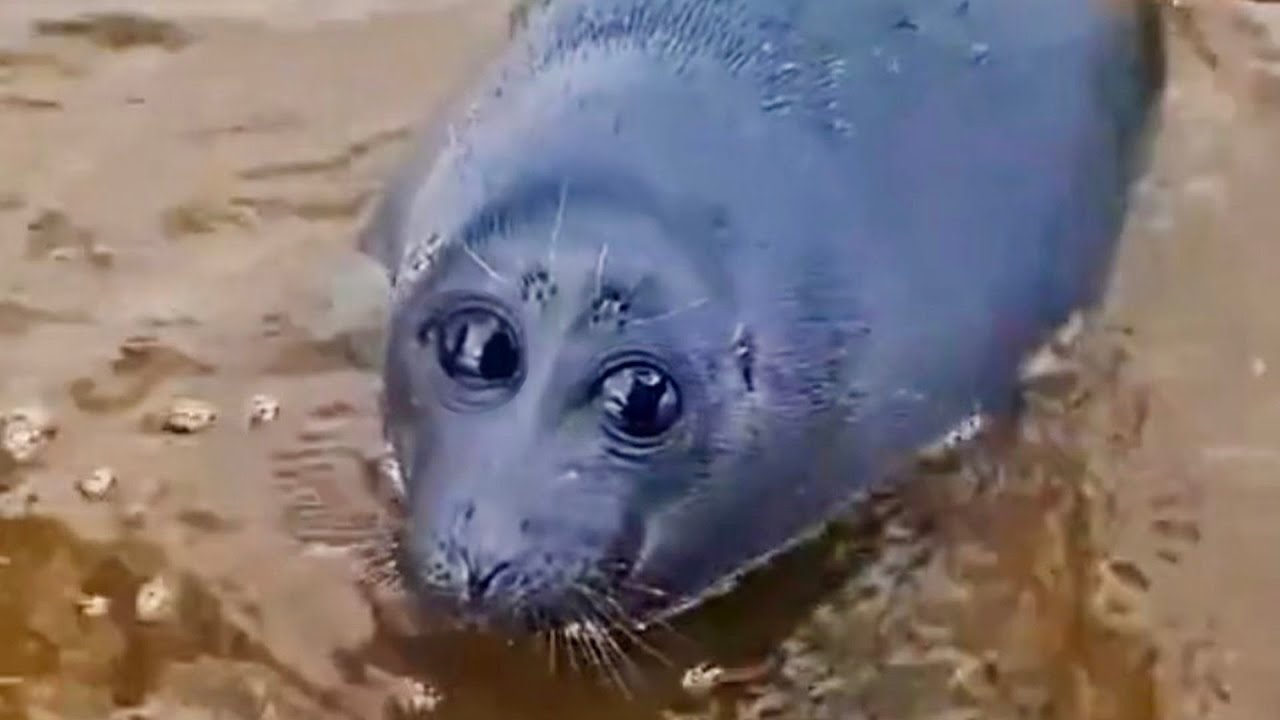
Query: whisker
622, 661
585, 631
544, 637
604, 254
552, 640
569, 634
618, 663
484, 265
555, 229
625, 627
593, 637
669, 314
650, 590
606, 661
644, 625
611, 619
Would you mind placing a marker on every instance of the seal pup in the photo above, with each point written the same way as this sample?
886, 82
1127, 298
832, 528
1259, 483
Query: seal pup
677, 281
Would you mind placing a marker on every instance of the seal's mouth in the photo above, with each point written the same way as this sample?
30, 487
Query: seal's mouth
547, 587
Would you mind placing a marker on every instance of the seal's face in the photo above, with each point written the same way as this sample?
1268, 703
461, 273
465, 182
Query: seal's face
550, 390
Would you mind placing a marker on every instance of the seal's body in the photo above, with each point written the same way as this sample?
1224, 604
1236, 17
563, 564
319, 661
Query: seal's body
681, 279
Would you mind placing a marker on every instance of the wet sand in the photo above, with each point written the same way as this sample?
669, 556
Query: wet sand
178, 190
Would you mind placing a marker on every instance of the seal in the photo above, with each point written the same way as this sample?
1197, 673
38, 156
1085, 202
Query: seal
677, 281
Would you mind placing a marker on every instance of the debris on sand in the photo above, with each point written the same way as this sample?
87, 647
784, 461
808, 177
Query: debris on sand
25, 432
118, 31
413, 699
154, 602
203, 216
97, 484
701, 679
53, 235
187, 416
94, 606
1119, 601
263, 409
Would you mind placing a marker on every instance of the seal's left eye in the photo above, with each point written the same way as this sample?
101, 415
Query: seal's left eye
477, 348
640, 402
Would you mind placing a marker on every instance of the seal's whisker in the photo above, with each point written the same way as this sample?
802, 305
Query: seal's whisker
607, 660
624, 626
604, 255
661, 622
649, 590
619, 664
611, 620
594, 639
611, 645
580, 632
670, 314
555, 229
553, 638
544, 635
484, 265
569, 634
584, 630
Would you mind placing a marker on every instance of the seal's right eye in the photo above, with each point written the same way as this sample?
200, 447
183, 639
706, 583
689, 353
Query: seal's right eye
476, 347
640, 402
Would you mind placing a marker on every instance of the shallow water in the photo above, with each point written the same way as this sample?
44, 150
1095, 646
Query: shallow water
178, 191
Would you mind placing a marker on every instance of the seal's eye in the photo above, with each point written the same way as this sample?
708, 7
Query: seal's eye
477, 348
639, 401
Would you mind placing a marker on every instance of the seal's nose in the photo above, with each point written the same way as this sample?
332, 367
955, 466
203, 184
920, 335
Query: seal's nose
478, 583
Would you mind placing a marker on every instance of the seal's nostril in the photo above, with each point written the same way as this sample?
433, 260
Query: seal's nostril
479, 584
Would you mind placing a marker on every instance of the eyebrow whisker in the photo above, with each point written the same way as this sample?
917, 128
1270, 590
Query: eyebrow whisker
604, 254
484, 265
671, 313
559, 223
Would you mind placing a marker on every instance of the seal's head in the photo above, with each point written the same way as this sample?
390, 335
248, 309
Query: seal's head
579, 411
560, 384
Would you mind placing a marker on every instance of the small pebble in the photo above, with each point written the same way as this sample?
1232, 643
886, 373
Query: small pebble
187, 416
1119, 599
102, 256
25, 432
154, 601
974, 677
97, 484
94, 606
702, 679
263, 409
416, 699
